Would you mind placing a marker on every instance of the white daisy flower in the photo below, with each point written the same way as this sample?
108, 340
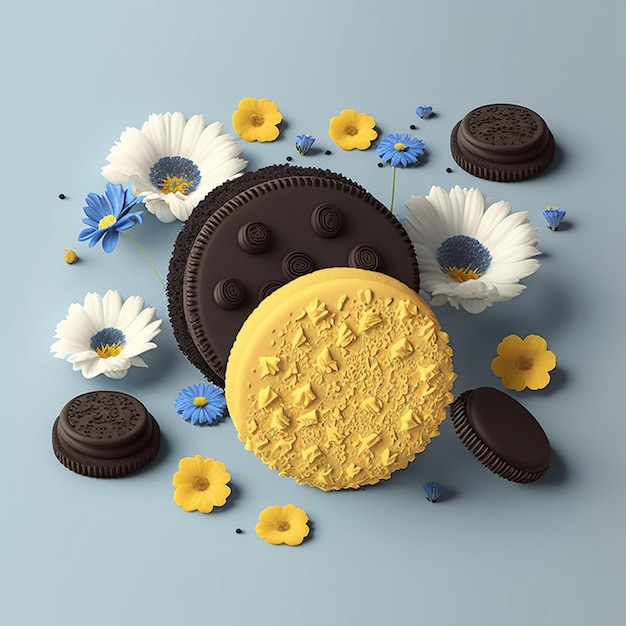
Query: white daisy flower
471, 251
105, 335
174, 163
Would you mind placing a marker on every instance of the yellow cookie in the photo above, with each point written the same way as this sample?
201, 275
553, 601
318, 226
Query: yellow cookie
339, 378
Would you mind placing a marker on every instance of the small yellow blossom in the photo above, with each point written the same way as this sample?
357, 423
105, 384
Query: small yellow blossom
351, 130
283, 524
257, 120
201, 484
70, 256
524, 362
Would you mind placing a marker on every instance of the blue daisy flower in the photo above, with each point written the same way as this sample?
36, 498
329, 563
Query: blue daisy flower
203, 403
108, 215
400, 149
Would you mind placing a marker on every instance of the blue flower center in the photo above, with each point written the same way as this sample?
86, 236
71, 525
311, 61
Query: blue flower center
173, 174
463, 258
108, 342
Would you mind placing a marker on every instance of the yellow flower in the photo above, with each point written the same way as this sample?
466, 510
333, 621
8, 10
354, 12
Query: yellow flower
283, 524
256, 120
352, 130
523, 363
70, 256
200, 484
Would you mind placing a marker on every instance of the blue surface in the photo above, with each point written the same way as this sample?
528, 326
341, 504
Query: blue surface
78, 551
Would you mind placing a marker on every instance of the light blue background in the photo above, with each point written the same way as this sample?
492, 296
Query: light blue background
79, 551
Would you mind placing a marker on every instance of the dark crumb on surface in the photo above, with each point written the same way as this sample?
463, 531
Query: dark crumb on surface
289, 158
449, 170
380, 165
328, 152
238, 531
62, 196
412, 127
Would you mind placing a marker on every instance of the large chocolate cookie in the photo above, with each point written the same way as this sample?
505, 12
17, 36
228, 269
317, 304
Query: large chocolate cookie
502, 142
105, 434
260, 231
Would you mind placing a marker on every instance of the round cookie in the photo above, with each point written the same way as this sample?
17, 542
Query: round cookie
105, 434
501, 434
502, 142
339, 378
262, 230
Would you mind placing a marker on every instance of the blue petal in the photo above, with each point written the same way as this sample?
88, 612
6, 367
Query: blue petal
96, 237
109, 240
87, 233
128, 222
90, 222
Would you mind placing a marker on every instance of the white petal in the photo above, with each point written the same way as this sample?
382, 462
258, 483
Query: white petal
111, 307
475, 305
143, 334
129, 312
116, 374
82, 356
94, 310
90, 368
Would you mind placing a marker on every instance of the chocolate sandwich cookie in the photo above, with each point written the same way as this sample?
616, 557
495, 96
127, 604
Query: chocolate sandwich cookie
501, 434
258, 232
502, 142
105, 434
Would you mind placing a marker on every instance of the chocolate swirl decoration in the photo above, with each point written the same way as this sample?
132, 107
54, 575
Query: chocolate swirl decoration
364, 257
254, 237
268, 288
296, 264
326, 221
228, 293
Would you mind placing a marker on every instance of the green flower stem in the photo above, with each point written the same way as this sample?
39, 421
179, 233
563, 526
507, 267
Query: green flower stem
145, 256
393, 187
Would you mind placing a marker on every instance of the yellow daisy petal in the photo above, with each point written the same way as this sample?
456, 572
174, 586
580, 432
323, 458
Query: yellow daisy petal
535, 345
537, 379
500, 365
510, 346
247, 107
514, 379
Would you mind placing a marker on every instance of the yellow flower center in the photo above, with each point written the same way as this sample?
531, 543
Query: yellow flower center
173, 184
257, 120
400, 147
200, 401
461, 274
200, 483
282, 526
105, 350
106, 221
524, 363
351, 130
